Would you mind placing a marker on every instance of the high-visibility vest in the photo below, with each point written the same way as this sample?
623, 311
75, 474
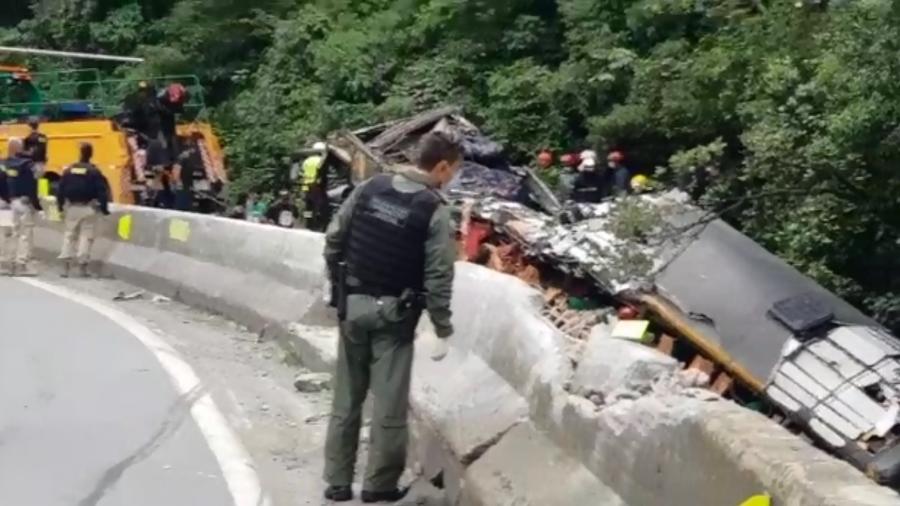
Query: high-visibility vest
311, 171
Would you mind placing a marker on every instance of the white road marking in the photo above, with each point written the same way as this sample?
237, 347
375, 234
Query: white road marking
236, 464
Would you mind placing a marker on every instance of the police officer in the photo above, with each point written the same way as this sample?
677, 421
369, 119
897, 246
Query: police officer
391, 249
83, 192
21, 184
36, 148
6, 229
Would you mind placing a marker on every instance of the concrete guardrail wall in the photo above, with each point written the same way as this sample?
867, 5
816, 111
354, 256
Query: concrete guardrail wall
506, 417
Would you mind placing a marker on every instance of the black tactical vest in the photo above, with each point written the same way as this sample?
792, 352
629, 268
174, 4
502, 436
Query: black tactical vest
81, 183
386, 241
590, 187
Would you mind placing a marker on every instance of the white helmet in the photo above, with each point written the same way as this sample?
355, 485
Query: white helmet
588, 164
589, 155
320, 146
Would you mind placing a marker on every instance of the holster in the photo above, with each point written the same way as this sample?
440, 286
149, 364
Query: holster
339, 291
412, 300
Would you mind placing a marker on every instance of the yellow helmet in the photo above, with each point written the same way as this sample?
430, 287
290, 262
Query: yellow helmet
640, 183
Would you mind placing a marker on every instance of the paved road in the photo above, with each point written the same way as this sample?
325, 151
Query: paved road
88, 416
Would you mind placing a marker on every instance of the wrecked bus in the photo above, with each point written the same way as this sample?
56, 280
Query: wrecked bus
766, 336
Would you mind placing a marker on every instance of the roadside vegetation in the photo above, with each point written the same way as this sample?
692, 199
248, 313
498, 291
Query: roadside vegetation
784, 116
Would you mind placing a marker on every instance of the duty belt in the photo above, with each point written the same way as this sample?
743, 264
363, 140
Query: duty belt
373, 292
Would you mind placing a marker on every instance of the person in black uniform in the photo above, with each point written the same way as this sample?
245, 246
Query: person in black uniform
36, 148
21, 185
6, 229
83, 193
590, 185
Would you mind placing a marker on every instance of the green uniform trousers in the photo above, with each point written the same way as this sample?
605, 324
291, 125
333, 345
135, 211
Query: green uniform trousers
375, 353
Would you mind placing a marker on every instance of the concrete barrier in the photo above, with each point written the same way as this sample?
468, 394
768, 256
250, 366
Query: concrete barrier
497, 417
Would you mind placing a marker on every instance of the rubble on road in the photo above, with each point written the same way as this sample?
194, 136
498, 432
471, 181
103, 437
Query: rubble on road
615, 368
312, 382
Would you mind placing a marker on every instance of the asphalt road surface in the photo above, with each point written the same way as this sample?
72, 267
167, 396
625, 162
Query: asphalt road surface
88, 416
97, 398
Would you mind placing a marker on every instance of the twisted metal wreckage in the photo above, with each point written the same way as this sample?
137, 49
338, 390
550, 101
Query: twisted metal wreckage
765, 335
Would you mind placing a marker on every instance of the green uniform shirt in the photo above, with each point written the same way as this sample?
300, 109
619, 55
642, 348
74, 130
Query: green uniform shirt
440, 249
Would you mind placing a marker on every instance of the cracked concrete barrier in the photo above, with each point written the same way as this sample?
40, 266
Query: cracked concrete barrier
496, 418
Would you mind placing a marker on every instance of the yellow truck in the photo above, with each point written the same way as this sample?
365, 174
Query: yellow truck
77, 106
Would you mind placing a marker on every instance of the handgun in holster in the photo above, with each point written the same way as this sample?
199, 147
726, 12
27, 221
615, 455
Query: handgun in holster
412, 300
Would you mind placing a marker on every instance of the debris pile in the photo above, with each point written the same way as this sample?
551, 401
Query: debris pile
486, 171
620, 245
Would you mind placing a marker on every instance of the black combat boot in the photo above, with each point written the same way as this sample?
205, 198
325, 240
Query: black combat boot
389, 496
339, 493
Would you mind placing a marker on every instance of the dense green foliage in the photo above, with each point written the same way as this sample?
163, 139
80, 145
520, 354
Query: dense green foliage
793, 108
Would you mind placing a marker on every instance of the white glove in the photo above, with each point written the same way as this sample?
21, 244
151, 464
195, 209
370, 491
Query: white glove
439, 348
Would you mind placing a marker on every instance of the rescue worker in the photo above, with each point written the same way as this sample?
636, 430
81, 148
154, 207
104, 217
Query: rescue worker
24, 202
36, 148
83, 193
545, 159
641, 184
311, 165
567, 177
590, 184
283, 212
390, 251
315, 198
619, 175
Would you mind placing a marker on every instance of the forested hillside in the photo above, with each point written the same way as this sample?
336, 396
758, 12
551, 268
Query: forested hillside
794, 107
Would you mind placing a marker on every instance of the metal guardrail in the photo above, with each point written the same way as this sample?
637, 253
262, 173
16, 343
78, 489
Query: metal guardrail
102, 97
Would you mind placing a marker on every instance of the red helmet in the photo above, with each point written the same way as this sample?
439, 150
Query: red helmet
177, 93
545, 159
616, 156
570, 160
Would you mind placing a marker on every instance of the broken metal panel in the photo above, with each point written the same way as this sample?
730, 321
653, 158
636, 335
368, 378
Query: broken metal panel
826, 433
822, 372
704, 280
852, 416
865, 344
792, 387
847, 366
783, 398
842, 385
889, 370
807, 382
861, 403
837, 422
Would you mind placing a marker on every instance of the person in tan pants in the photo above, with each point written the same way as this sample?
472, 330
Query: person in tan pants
83, 195
21, 193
